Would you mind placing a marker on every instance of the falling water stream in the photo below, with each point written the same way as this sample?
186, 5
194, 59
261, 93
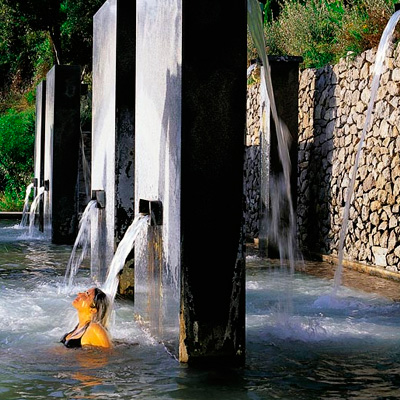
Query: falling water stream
110, 286
32, 211
81, 245
286, 240
280, 232
25, 214
379, 62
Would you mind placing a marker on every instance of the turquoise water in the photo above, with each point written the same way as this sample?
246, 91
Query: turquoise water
302, 343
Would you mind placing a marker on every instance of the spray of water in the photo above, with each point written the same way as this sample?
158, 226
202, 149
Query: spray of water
25, 214
82, 242
380, 57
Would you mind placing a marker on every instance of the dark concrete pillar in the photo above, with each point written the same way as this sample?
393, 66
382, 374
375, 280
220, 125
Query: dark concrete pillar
39, 147
85, 150
213, 126
62, 135
113, 132
285, 82
191, 111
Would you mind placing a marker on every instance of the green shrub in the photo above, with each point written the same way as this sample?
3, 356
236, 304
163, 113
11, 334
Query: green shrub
11, 200
17, 136
306, 29
323, 31
363, 25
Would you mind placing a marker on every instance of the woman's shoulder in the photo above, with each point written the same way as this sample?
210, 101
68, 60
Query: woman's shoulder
96, 327
96, 335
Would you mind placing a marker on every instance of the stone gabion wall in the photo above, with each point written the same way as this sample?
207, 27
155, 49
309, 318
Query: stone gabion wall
252, 163
332, 110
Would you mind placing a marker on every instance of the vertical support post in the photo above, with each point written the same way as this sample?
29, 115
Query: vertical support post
213, 137
40, 126
190, 134
62, 135
113, 132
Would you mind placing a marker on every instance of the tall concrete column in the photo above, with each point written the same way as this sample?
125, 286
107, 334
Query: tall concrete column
62, 135
40, 147
190, 132
113, 132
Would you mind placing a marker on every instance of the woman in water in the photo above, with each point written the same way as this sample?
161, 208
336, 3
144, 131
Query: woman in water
93, 312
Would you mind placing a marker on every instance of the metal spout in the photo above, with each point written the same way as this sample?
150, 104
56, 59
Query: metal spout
152, 208
100, 197
396, 7
46, 185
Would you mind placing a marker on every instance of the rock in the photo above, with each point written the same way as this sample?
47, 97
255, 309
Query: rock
379, 254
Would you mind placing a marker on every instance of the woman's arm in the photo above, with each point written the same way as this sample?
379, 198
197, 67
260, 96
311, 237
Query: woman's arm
96, 335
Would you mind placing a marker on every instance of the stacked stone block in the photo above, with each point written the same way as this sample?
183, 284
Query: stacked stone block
332, 112
252, 163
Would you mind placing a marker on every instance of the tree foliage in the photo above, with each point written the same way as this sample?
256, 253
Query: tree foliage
34, 35
17, 136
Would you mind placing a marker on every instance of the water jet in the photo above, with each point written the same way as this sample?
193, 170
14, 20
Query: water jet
24, 219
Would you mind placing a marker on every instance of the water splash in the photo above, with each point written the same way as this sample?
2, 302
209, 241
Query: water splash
82, 242
380, 57
25, 214
32, 211
110, 286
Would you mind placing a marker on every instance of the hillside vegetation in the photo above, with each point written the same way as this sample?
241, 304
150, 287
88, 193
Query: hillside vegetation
323, 31
34, 36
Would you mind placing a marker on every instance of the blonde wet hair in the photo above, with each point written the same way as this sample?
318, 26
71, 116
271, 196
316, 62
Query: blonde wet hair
102, 304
